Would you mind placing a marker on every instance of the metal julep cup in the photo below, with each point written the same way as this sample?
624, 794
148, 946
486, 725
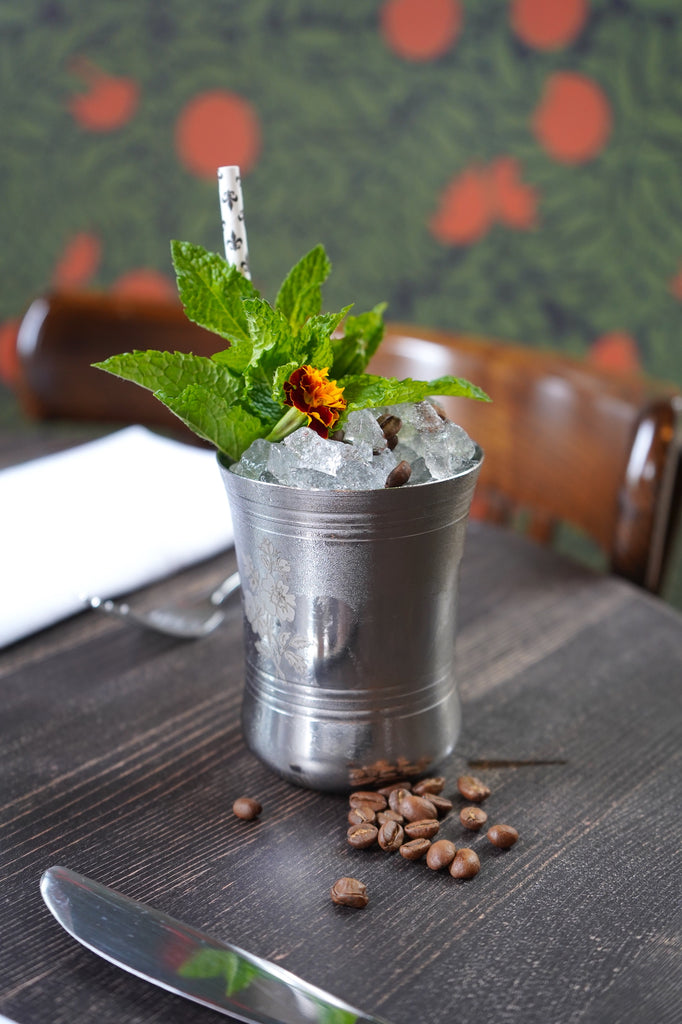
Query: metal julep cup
350, 607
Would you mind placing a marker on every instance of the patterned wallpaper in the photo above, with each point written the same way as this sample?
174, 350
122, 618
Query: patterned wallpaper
503, 167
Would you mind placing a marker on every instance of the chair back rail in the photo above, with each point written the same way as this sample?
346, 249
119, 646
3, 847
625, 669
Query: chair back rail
564, 441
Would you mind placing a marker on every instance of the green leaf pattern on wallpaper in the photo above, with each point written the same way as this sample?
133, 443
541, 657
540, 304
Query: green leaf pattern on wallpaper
455, 179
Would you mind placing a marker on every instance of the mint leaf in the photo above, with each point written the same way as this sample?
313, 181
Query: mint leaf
366, 391
212, 293
300, 295
316, 346
171, 372
269, 331
281, 374
361, 338
203, 394
227, 425
264, 401
273, 343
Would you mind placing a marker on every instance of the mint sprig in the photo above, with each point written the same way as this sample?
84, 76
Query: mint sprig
365, 391
237, 394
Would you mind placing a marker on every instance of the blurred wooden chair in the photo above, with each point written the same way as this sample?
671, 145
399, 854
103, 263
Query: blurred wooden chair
564, 442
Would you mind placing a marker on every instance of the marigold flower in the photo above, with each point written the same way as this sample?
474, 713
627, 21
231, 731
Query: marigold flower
309, 390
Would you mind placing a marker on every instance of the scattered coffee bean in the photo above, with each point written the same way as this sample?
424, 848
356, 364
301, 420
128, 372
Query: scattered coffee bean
362, 836
466, 864
502, 836
427, 786
416, 808
405, 816
369, 797
472, 788
361, 815
387, 790
427, 828
395, 796
400, 475
415, 849
441, 803
349, 892
473, 818
441, 854
391, 836
389, 815
246, 808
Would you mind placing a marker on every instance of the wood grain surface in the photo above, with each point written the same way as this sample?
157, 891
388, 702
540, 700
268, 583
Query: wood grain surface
122, 755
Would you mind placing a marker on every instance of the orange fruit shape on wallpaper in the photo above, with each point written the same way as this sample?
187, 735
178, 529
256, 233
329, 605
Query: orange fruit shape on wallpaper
110, 101
421, 29
78, 262
217, 128
573, 119
548, 24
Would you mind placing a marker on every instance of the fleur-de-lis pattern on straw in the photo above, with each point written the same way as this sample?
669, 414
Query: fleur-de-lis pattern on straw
268, 603
232, 216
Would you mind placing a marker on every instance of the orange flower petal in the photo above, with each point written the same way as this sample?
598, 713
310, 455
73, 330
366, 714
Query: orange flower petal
310, 391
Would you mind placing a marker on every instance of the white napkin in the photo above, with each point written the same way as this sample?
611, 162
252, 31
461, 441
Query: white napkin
103, 519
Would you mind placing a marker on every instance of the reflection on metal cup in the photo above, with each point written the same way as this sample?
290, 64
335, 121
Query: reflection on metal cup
350, 605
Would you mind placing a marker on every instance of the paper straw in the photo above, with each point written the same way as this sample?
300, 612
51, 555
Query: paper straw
232, 213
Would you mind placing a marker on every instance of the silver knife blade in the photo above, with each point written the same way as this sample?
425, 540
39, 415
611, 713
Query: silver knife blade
185, 961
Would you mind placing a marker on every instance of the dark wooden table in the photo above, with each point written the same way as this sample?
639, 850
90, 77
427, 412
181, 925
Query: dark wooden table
121, 757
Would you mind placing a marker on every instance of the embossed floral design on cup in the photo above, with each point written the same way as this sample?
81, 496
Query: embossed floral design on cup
268, 604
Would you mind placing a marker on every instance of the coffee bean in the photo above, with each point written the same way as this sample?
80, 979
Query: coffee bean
502, 836
441, 803
369, 797
361, 815
472, 788
362, 836
426, 786
349, 892
416, 808
391, 836
387, 790
415, 849
389, 815
472, 818
400, 475
424, 829
246, 808
390, 425
441, 854
395, 796
466, 864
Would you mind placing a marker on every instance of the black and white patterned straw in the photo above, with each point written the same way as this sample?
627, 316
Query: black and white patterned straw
232, 213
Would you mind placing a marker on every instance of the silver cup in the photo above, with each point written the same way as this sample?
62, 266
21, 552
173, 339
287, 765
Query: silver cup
350, 607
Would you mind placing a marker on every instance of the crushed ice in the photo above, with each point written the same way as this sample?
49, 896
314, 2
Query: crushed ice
434, 447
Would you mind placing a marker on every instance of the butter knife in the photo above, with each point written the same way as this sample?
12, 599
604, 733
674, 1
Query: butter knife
185, 961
